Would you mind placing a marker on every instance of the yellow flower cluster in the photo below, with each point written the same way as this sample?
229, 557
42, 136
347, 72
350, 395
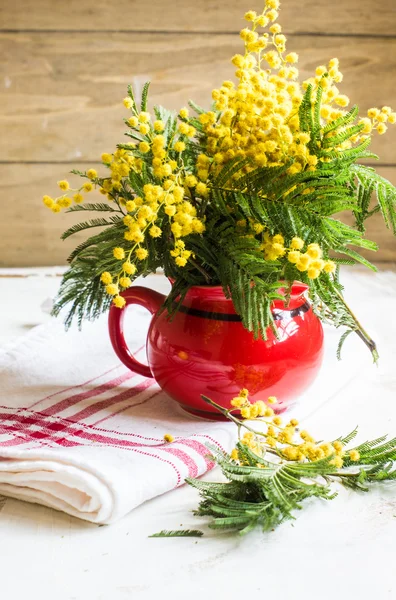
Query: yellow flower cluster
256, 118
310, 261
64, 200
251, 411
290, 443
259, 115
376, 119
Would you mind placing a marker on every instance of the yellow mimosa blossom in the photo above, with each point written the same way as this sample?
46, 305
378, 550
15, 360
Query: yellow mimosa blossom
63, 185
354, 455
297, 243
119, 301
78, 198
48, 201
183, 112
128, 102
125, 282
144, 117
112, 289
144, 147
158, 126
119, 253
129, 268
141, 253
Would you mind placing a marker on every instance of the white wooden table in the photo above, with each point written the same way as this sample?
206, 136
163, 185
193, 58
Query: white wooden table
340, 549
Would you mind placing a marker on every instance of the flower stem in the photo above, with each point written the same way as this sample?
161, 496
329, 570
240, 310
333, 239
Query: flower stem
360, 331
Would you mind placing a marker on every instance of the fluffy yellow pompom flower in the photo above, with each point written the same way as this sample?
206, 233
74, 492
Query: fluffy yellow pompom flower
372, 113
184, 113
191, 181
250, 15
272, 14
367, 125
354, 455
170, 210
129, 268
246, 412
337, 462
342, 100
184, 128
392, 118
158, 126
329, 266
155, 231
128, 102
303, 262
56, 208
106, 278
144, 117
297, 243
179, 146
293, 256
234, 454
92, 174
87, 187
65, 202
48, 201
313, 273
112, 289
130, 205
63, 185
119, 301
141, 253
239, 401
202, 189
168, 438
144, 147
106, 157
125, 282
144, 129
314, 251
275, 28
118, 253
382, 128
278, 239
181, 261
133, 121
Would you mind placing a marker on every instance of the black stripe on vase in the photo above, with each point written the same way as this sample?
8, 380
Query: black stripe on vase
279, 315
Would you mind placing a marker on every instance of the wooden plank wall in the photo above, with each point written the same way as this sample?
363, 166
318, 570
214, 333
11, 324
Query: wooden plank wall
65, 67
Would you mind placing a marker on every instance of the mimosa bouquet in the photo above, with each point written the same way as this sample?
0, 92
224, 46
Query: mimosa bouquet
245, 195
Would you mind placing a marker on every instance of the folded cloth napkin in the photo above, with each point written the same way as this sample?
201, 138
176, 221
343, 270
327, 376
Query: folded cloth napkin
81, 433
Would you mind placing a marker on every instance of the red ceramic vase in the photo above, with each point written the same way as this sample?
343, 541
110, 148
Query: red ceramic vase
206, 350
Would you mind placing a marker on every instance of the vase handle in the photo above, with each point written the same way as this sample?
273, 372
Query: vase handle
145, 297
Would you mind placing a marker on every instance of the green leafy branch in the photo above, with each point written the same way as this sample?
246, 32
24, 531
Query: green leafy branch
264, 490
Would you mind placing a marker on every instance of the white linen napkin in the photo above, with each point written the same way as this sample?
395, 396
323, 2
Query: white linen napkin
81, 433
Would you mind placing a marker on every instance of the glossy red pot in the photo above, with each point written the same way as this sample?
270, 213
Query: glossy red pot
206, 350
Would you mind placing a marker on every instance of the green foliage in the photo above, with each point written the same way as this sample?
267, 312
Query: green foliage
177, 533
305, 204
265, 492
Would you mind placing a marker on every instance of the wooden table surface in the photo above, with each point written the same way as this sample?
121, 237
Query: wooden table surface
340, 549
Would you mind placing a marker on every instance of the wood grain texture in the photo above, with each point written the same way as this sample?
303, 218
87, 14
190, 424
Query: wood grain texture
351, 16
29, 233
62, 98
